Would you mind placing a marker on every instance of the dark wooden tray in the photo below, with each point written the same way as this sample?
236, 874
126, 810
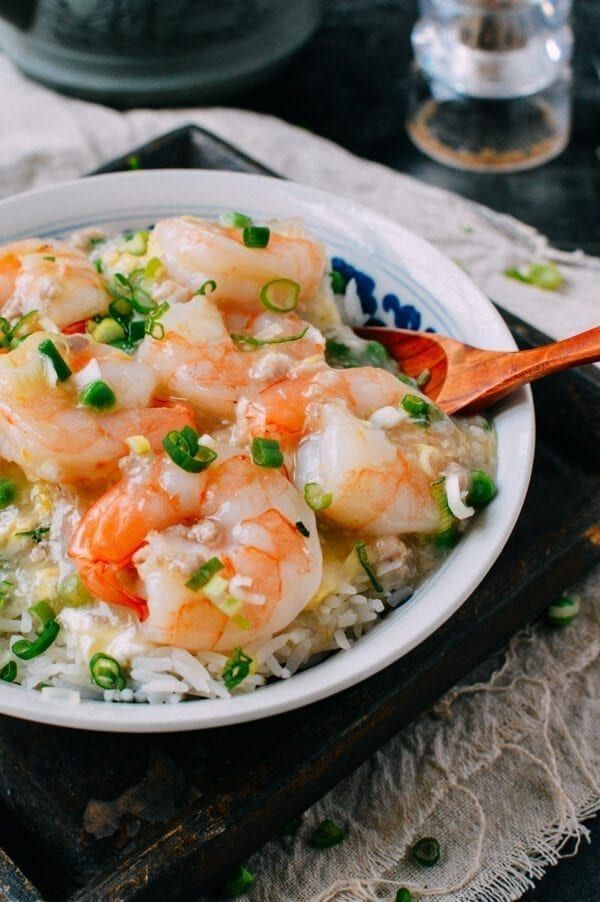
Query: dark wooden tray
191, 805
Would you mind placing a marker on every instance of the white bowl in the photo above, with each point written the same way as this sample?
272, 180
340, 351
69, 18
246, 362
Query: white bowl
401, 266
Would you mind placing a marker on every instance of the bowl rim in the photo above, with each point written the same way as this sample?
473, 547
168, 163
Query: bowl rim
379, 648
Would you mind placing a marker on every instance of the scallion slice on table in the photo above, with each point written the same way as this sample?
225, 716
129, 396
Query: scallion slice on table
280, 295
564, 610
238, 883
543, 275
9, 672
207, 287
256, 236
236, 669
266, 452
183, 448
316, 498
235, 220
106, 672
426, 851
482, 489
327, 834
8, 492
204, 573
48, 349
363, 558
98, 395
253, 342
26, 650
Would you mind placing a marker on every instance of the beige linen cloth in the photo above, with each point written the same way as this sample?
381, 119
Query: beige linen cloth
505, 770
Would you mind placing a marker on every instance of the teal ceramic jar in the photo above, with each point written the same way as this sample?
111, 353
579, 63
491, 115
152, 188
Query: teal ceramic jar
153, 52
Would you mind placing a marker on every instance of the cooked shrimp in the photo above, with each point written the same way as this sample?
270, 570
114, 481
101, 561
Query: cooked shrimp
51, 435
49, 276
198, 360
194, 251
376, 487
140, 543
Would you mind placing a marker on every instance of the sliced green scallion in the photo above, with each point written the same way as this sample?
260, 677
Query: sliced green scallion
256, 236
253, 342
204, 573
152, 326
302, 529
403, 895
423, 378
26, 650
280, 295
136, 243
152, 268
8, 492
36, 535
316, 498
327, 834
98, 395
546, 276
72, 593
9, 672
363, 558
137, 330
426, 851
338, 282
43, 611
236, 669
108, 330
106, 672
417, 407
563, 611
482, 489
360, 353
239, 882
408, 380
207, 287
184, 450
133, 162
448, 534
48, 349
266, 452
235, 220
50, 259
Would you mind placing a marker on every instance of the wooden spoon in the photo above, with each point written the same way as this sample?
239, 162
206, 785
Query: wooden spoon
467, 380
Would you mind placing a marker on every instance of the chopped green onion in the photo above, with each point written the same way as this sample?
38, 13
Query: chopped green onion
266, 452
25, 322
338, 282
280, 295
207, 287
256, 236
316, 498
363, 557
8, 492
240, 881
98, 265
98, 395
235, 220
106, 672
131, 290
191, 437
327, 834
36, 534
236, 669
72, 593
9, 672
26, 650
43, 611
543, 275
107, 330
408, 380
563, 611
448, 534
137, 330
49, 350
152, 267
361, 353
204, 573
426, 851
415, 406
136, 244
263, 342
133, 162
482, 489
181, 451
152, 326
423, 378
403, 895
51, 259
120, 309
302, 529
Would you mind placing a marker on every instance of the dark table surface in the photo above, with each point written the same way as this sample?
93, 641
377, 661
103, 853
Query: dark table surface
349, 84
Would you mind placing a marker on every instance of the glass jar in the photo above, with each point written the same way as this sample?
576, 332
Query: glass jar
491, 85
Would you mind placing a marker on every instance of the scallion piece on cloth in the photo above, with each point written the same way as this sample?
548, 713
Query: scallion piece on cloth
236, 669
106, 672
327, 834
448, 534
204, 573
184, 450
266, 452
482, 489
9, 672
26, 650
207, 287
239, 882
8, 492
302, 529
403, 895
235, 220
48, 349
426, 851
563, 611
98, 395
543, 275
280, 295
36, 534
316, 498
253, 342
43, 611
363, 558
256, 236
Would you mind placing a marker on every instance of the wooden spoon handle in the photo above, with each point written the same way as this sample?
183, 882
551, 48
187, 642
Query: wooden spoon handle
574, 351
